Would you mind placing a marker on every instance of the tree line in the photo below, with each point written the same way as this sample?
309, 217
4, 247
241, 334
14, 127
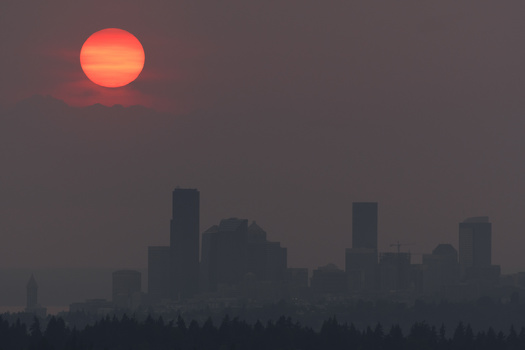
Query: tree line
232, 333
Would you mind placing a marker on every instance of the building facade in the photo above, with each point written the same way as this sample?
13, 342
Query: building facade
328, 279
184, 243
361, 266
364, 225
361, 269
158, 273
232, 249
126, 288
394, 271
440, 270
475, 245
32, 305
32, 293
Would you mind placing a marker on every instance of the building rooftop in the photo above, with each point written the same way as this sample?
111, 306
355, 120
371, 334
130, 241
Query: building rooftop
256, 233
212, 229
32, 283
476, 219
232, 224
255, 228
329, 267
445, 250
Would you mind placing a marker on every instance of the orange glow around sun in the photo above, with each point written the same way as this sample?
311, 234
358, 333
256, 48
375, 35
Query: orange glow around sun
112, 57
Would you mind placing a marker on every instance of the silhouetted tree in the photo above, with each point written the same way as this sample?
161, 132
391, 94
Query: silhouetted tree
395, 340
56, 332
422, 336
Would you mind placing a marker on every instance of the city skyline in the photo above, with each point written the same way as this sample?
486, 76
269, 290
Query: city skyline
303, 174
52, 104
236, 255
283, 113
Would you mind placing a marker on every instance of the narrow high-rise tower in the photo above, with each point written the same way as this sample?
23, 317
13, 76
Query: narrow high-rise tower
475, 236
32, 305
364, 225
158, 273
184, 243
126, 289
32, 294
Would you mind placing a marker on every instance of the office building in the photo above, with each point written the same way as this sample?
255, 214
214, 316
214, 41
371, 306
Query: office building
266, 260
98, 307
233, 249
32, 293
208, 267
126, 288
475, 235
361, 260
158, 273
224, 253
364, 225
184, 243
394, 271
296, 282
361, 269
32, 305
440, 270
328, 279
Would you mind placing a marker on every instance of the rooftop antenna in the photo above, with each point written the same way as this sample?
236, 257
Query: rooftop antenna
398, 245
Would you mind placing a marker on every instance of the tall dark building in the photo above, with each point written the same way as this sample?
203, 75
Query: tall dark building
440, 269
224, 253
233, 249
184, 243
126, 287
158, 273
32, 305
364, 225
475, 236
32, 293
328, 279
266, 260
361, 269
394, 271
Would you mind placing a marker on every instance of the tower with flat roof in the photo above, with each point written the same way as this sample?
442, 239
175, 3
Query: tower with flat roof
158, 273
361, 259
364, 225
126, 288
233, 249
32, 293
475, 244
184, 243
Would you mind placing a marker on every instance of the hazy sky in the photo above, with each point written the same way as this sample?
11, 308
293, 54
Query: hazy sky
284, 112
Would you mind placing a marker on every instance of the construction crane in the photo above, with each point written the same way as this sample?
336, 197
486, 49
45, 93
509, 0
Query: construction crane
398, 245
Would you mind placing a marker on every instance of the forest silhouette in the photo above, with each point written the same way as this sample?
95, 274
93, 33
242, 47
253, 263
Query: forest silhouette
232, 333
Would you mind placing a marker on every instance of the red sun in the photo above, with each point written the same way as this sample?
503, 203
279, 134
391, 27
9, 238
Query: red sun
112, 57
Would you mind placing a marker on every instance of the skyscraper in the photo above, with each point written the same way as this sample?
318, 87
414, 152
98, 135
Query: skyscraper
394, 271
364, 225
266, 260
224, 253
32, 305
441, 269
328, 279
126, 286
475, 236
32, 294
158, 273
184, 243
233, 249
361, 269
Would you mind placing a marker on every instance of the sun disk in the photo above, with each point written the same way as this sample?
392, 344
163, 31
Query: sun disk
112, 57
